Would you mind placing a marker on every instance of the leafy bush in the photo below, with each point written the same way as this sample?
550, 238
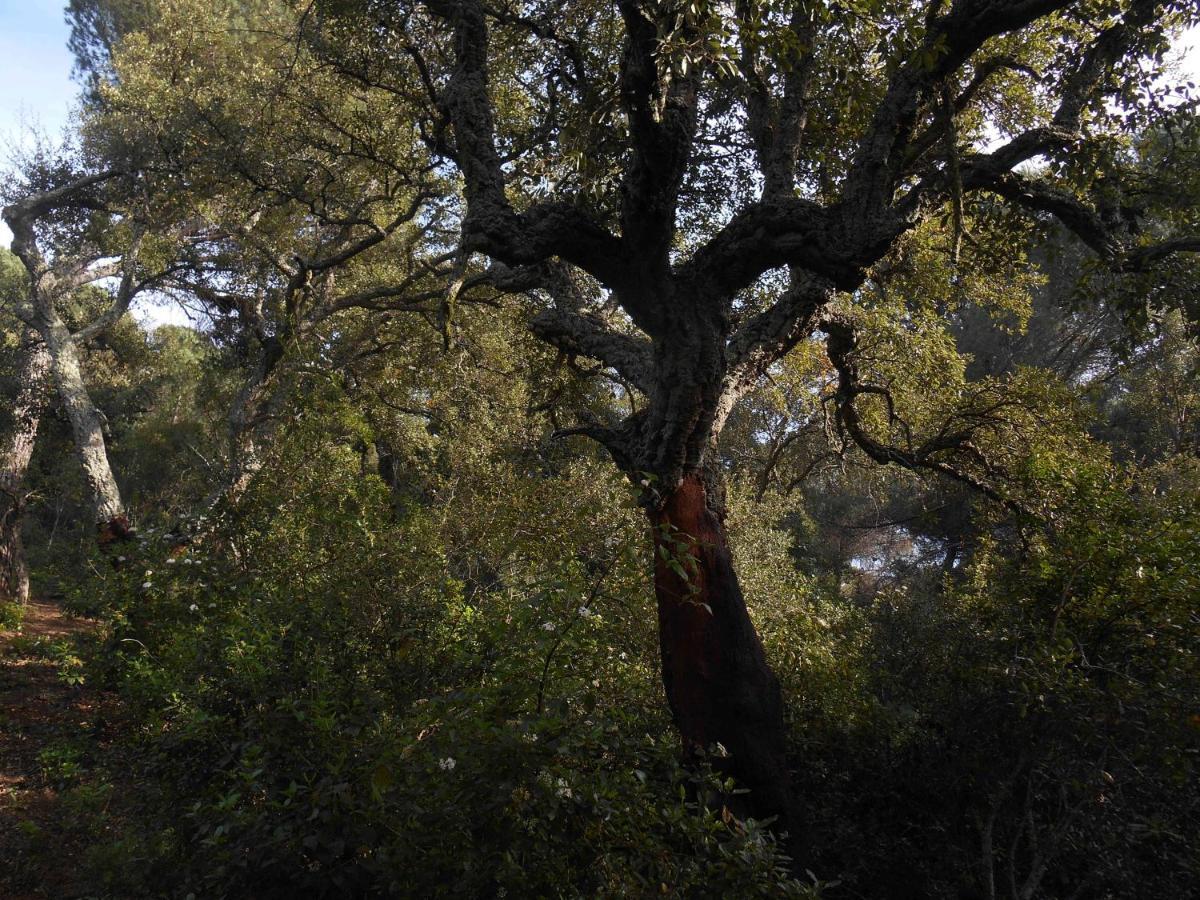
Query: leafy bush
331, 704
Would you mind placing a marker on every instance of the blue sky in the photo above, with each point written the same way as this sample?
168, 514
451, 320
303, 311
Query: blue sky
35, 68
36, 90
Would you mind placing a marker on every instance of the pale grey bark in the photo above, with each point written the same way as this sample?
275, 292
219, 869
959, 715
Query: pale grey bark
87, 422
50, 281
15, 453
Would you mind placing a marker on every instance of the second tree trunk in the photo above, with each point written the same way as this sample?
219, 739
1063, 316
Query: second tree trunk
15, 453
87, 426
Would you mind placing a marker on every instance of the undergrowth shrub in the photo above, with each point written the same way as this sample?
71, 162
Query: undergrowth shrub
328, 702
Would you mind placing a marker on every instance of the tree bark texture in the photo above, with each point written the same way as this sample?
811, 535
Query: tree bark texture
719, 686
87, 426
32, 369
253, 421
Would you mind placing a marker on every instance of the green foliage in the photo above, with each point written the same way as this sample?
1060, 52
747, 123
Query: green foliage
416, 656
11, 615
356, 698
1040, 706
60, 765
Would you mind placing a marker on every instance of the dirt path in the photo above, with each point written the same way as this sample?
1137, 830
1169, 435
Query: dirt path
49, 726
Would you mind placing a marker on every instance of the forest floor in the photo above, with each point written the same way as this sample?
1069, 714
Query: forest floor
54, 805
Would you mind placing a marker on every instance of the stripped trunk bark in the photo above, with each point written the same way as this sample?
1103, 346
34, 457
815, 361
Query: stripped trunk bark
87, 426
722, 693
32, 370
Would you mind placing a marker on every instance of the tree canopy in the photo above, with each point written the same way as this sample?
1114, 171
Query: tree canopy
829, 365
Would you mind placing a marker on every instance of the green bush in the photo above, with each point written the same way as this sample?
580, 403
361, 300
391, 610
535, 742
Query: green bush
330, 704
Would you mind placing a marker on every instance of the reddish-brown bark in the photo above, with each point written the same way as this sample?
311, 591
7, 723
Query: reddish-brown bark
112, 534
719, 686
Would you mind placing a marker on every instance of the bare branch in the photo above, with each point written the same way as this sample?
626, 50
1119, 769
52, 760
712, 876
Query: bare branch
126, 291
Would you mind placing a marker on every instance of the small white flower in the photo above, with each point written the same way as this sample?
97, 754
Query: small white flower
146, 585
585, 612
120, 559
194, 608
624, 655
149, 572
547, 626
562, 788
447, 764
170, 562
531, 738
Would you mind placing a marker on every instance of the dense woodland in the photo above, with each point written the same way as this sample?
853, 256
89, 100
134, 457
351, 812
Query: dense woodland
621, 449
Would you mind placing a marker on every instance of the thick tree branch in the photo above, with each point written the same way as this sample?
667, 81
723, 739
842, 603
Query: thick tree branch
21, 216
580, 334
661, 105
776, 125
492, 226
782, 232
841, 343
1140, 259
769, 335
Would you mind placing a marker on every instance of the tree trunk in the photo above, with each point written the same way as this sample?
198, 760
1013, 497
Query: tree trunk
17, 449
87, 426
253, 421
719, 686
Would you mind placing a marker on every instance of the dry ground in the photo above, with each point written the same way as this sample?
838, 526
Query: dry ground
49, 729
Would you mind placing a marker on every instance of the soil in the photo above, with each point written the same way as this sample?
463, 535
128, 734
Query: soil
50, 728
